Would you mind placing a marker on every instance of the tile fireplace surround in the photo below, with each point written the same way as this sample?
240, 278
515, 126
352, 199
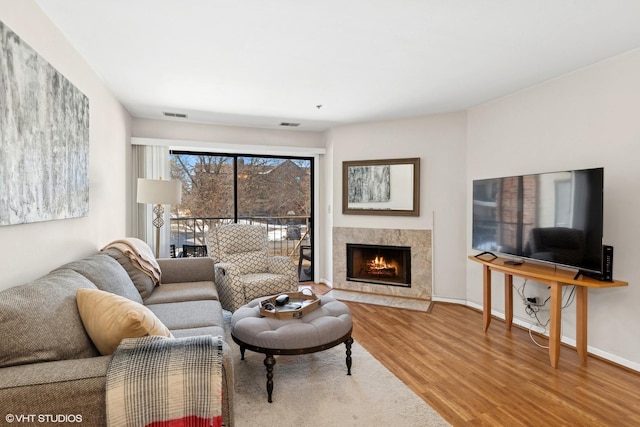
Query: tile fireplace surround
418, 240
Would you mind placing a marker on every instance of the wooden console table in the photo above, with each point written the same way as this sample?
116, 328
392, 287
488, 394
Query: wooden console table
555, 278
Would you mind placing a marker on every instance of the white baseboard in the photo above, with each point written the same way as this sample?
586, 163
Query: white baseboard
326, 282
613, 358
448, 300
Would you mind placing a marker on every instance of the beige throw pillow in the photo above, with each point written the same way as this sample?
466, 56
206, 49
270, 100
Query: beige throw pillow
109, 318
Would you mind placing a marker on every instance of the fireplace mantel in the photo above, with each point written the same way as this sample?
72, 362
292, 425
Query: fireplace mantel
418, 240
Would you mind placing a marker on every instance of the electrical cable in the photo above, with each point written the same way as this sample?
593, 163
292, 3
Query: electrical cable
571, 297
534, 340
532, 309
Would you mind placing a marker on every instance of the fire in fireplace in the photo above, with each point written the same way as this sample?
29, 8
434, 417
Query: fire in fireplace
385, 265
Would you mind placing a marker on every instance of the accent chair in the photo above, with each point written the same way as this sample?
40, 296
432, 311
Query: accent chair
243, 268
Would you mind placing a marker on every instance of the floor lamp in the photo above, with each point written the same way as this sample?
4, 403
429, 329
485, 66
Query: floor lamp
158, 192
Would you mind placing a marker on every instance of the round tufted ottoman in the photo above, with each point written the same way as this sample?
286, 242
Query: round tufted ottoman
323, 328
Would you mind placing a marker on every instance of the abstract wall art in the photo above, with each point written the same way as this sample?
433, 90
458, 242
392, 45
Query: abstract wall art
44, 138
381, 187
368, 184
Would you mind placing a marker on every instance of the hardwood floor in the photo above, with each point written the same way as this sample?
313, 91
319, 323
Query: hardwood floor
498, 378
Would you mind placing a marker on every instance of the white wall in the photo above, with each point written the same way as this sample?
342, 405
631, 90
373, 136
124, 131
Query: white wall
589, 118
439, 141
28, 251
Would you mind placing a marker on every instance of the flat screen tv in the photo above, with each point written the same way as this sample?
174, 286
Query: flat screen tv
553, 217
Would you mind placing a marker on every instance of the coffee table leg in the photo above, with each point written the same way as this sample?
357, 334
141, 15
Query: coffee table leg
348, 343
269, 362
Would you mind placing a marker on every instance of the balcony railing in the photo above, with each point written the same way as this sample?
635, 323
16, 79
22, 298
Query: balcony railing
286, 233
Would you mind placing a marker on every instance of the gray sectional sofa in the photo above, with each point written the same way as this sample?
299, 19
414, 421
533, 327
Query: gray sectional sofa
48, 363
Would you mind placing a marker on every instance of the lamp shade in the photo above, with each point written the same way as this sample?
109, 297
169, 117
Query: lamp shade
159, 192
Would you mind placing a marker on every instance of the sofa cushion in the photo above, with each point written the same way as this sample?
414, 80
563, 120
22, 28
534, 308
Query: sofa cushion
40, 321
178, 292
109, 318
189, 314
190, 269
214, 331
107, 274
141, 281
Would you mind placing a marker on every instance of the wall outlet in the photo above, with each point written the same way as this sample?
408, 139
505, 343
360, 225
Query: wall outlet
532, 300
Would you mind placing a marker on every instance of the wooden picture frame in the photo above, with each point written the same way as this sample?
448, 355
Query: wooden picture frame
381, 187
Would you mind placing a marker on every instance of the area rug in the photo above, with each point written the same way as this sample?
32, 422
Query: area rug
313, 390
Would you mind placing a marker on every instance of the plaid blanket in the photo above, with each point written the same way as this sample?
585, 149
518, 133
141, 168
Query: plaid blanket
165, 382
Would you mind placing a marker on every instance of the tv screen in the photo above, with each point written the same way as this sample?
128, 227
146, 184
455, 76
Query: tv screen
552, 217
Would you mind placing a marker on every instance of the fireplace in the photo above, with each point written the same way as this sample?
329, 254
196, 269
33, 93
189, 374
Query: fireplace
383, 265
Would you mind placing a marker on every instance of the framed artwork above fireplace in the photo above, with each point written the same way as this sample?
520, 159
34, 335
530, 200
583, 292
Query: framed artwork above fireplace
381, 187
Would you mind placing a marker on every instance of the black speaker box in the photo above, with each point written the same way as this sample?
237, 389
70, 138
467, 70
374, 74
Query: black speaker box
607, 263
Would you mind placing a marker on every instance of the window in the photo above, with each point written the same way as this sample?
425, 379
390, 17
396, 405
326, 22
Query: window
222, 188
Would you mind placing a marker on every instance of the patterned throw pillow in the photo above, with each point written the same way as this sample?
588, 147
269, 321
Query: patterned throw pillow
142, 282
107, 274
40, 321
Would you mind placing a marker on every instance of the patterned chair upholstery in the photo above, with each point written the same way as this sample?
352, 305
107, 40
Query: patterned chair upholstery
243, 268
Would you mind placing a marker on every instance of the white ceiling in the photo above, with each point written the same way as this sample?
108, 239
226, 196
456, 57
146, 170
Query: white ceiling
259, 62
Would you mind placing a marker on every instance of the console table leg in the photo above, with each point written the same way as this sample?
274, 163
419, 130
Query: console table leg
508, 300
269, 362
582, 303
347, 344
486, 297
555, 323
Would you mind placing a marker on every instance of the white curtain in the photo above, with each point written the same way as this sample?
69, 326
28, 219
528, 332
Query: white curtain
152, 162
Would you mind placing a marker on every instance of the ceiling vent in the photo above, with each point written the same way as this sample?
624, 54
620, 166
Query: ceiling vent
176, 115
289, 124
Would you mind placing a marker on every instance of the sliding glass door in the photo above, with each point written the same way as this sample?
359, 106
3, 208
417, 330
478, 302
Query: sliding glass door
220, 188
